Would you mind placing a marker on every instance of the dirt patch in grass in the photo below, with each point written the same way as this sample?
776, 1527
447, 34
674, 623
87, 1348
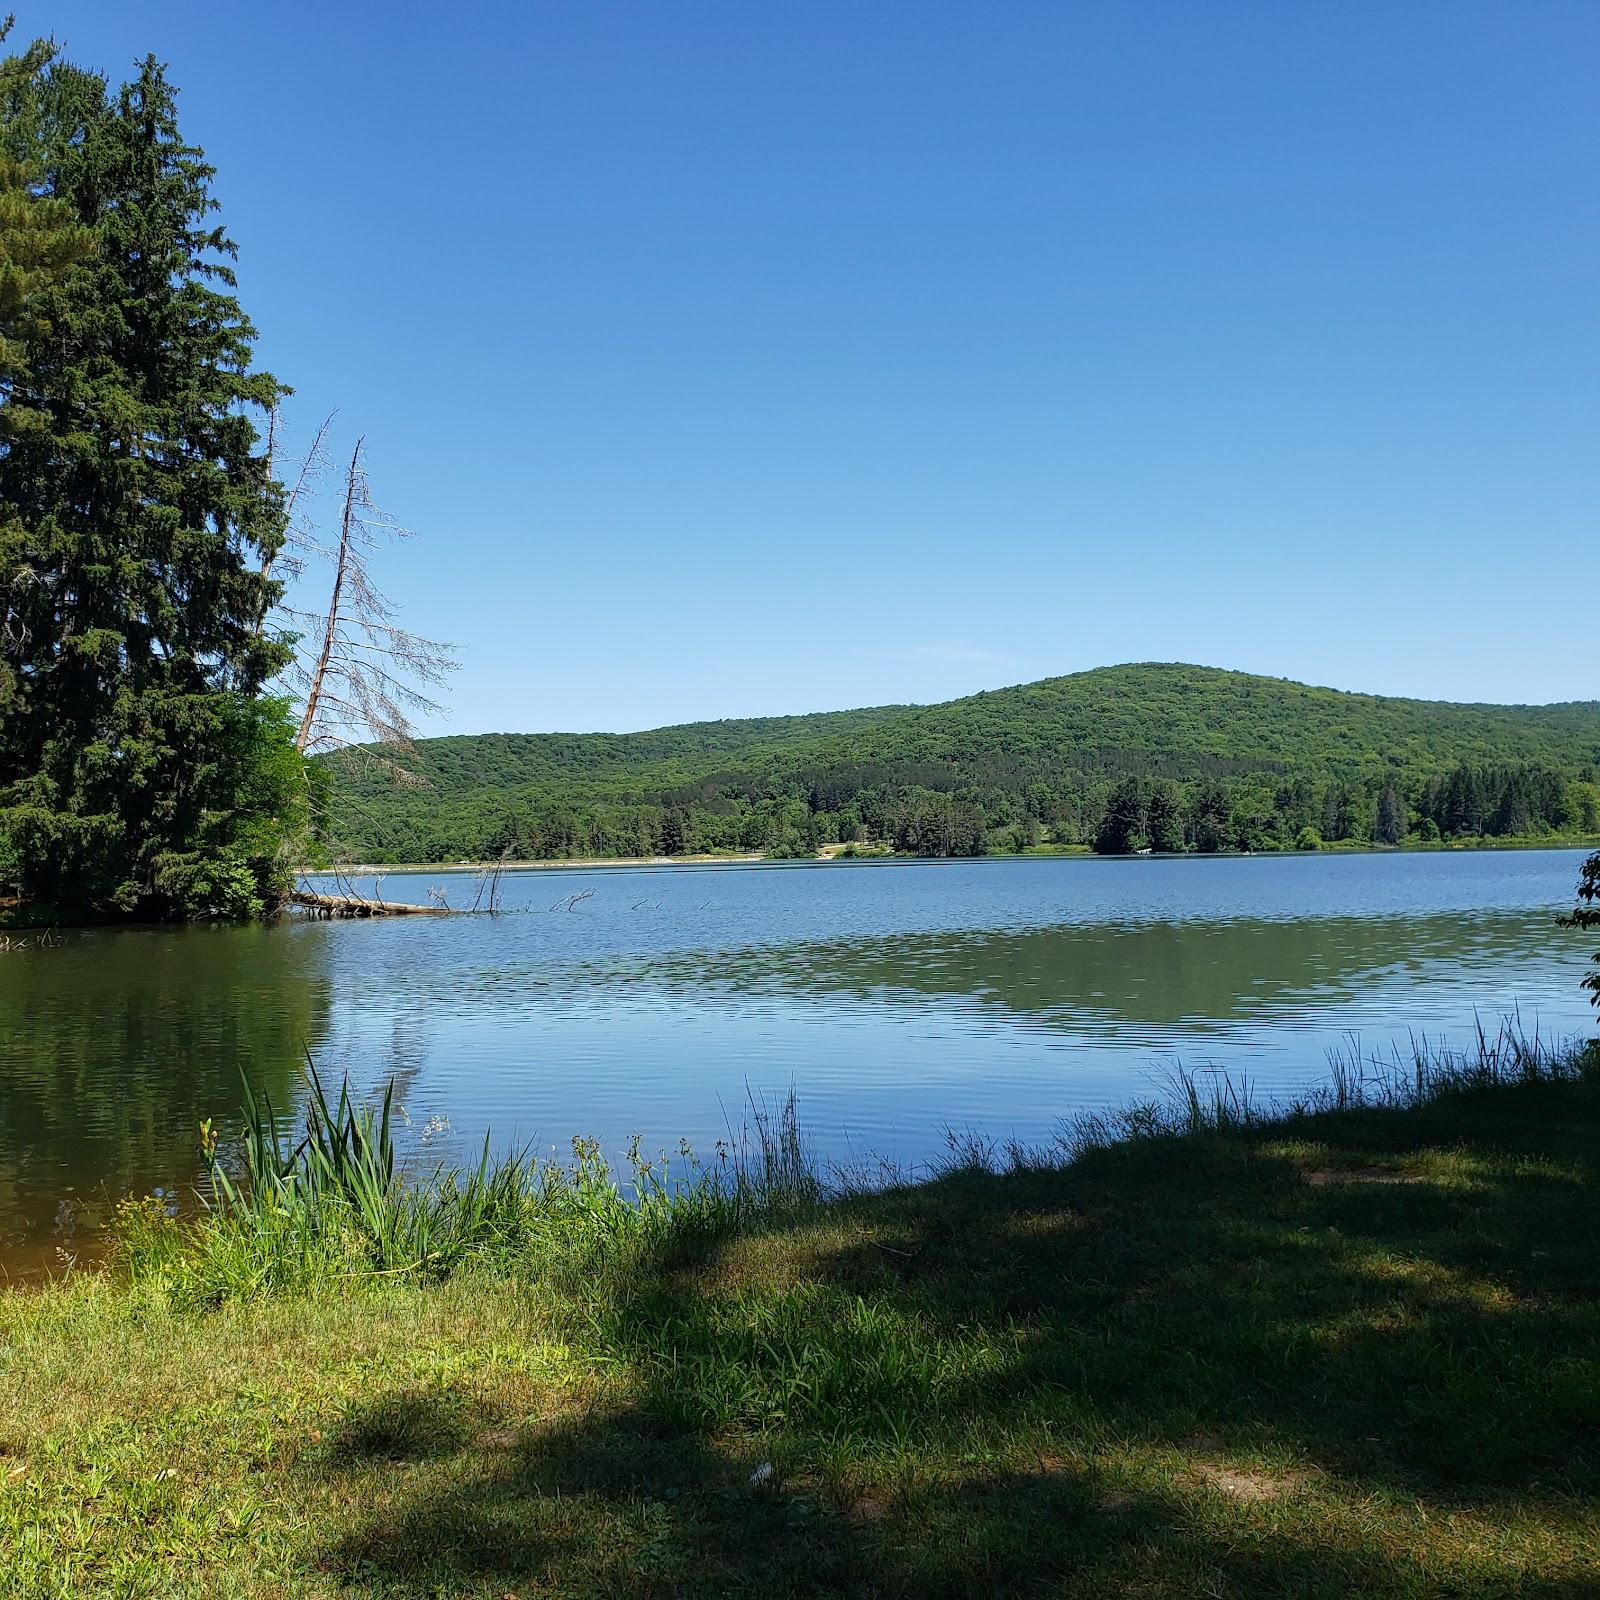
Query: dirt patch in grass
867, 1508
1321, 1177
1239, 1483
1249, 1486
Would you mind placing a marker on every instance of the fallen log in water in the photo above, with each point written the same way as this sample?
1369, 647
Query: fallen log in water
354, 905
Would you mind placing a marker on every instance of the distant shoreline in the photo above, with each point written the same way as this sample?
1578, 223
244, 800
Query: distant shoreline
1038, 853
379, 870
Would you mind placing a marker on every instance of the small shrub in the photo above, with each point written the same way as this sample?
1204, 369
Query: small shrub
143, 1234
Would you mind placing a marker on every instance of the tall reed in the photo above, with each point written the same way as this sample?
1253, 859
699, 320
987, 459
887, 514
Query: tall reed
335, 1201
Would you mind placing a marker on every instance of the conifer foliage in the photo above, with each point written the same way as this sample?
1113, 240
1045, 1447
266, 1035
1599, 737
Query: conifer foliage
1587, 915
141, 772
40, 238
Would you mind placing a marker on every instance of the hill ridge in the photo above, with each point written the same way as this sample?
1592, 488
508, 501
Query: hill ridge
1008, 688
1044, 754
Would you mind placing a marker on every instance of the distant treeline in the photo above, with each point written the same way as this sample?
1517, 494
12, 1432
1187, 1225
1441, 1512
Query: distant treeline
949, 814
1159, 757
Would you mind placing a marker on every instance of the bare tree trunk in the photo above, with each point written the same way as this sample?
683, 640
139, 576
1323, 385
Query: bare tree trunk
330, 632
358, 676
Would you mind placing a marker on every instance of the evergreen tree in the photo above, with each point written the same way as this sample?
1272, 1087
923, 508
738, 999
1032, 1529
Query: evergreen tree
1336, 809
1513, 815
1164, 816
1296, 802
1391, 824
677, 832
1465, 801
1211, 819
139, 772
1123, 825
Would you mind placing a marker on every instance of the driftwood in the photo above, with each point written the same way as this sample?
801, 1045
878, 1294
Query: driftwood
355, 905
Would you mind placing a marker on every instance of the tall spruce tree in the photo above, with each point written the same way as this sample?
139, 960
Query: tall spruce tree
1392, 823
1122, 827
140, 772
1211, 818
1164, 816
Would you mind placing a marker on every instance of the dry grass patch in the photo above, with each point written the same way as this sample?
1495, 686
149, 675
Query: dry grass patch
1317, 1177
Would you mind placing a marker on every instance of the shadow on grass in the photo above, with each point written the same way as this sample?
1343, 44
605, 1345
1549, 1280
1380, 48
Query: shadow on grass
1178, 1367
406, 1425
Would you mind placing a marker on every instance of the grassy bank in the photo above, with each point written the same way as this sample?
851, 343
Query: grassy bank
1353, 1350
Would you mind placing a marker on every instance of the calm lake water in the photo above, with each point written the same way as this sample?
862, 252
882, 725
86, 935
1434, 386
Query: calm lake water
896, 999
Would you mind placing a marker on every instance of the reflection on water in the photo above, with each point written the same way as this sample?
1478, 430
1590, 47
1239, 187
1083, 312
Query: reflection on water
1150, 978
896, 1000
115, 1045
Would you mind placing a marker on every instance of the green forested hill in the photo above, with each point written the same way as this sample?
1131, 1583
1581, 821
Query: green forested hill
490, 761
1201, 712
1168, 756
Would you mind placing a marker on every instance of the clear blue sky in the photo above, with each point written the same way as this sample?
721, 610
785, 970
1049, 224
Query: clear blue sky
749, 358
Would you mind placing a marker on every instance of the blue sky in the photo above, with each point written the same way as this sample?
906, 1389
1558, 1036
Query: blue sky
748, 358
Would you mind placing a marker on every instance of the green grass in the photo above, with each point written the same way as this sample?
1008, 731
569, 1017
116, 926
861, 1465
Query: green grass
335, 1206
1194, 1350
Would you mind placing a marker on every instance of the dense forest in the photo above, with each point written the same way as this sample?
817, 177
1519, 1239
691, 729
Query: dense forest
1160, 757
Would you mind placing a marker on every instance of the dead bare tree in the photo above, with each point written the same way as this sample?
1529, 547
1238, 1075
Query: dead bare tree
289, 560
488, 884
571, 902
359, 676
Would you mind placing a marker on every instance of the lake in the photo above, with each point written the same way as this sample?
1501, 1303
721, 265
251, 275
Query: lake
897, 999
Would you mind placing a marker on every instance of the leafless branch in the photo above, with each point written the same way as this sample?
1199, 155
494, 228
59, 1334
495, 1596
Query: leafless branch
299, 539
363, 677
489, 884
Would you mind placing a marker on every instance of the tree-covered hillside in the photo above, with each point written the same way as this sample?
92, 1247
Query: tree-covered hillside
1197, 714
1155, 756
493, 761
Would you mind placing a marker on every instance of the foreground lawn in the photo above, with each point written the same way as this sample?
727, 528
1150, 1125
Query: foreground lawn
1350, 1354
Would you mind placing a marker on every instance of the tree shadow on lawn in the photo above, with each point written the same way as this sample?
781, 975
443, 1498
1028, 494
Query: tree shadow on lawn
1437, 1336
617, 1507
1107, 1379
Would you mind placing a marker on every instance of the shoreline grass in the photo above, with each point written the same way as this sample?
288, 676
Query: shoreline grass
337, 1204
1204, 1346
